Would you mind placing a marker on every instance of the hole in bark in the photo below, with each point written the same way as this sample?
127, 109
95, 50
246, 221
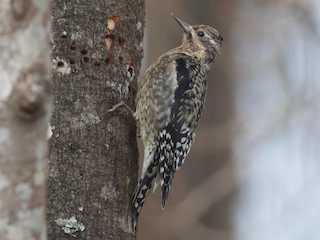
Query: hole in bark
97, 64
84, 52
109, 40
86, 59
108, 62
112, 22
121, 59
121, 41
130, 70
73, 46
72, 61
60, 64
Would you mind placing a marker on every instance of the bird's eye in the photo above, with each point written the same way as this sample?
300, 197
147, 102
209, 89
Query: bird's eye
200, 33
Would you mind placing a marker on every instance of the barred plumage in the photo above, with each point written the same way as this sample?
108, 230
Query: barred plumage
170, 101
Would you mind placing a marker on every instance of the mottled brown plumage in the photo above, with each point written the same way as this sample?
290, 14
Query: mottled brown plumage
170, 101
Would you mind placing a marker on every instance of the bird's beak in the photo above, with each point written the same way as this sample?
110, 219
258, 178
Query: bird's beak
184, 25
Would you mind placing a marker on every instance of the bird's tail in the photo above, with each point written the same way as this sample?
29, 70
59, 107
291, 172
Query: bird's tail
166, 182
141, 192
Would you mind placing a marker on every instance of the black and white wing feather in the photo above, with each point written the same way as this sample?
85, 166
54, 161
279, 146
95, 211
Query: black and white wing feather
176, 137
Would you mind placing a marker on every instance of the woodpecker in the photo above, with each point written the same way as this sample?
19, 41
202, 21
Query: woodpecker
169, 104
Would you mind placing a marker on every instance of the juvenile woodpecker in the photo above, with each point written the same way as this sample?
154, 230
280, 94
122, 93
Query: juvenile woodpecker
170, 101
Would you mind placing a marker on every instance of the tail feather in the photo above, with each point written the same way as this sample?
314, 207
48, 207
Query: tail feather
166, 186
166, 175
141, 192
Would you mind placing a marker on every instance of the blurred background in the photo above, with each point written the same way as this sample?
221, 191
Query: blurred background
254, 169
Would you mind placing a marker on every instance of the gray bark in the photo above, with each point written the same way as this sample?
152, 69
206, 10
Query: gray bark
97, 52
24, 115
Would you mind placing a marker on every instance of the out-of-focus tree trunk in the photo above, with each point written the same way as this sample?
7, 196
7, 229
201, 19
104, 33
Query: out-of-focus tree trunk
97, 52
24, 115
277, 93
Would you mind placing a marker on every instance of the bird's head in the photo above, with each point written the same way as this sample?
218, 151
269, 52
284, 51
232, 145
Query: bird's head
202, 39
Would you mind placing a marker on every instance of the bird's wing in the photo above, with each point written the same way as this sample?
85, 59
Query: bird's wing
176, 137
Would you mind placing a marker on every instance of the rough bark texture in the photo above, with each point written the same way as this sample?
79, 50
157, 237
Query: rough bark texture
97, 52
24, 116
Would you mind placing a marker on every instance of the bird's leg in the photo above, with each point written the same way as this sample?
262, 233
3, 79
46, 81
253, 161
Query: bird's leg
121, 104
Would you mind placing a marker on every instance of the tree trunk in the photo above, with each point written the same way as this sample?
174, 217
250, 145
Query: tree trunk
97, 52
24, 115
